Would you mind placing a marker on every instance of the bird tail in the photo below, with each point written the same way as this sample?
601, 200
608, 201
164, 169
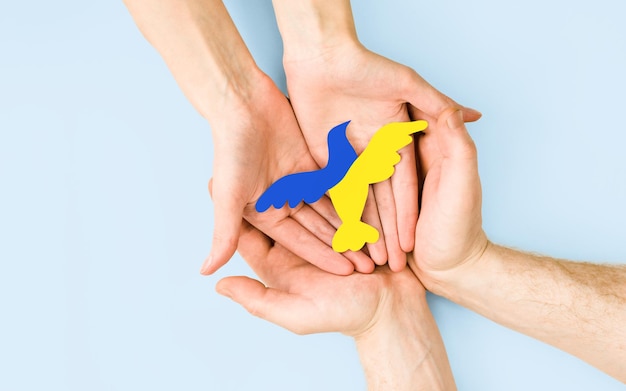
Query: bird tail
353, 236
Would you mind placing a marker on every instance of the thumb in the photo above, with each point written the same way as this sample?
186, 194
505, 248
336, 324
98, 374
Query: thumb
459, 183
228, 215
247, 292
452, 137
470, 115
276, 306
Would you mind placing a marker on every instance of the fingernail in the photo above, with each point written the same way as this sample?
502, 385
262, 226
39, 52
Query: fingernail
206, 265
473, 111
455, 120
225, 292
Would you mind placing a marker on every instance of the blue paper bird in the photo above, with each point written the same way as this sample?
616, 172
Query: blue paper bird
310, 186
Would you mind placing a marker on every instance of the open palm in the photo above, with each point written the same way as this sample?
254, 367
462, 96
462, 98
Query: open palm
263, 143
353, 83
304, 299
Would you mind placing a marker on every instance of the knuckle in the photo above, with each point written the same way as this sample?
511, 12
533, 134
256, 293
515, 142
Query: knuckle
223, 240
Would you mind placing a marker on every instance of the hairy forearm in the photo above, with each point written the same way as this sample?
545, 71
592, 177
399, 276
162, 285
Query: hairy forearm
309, 27
405, 351
201, 46
577, 307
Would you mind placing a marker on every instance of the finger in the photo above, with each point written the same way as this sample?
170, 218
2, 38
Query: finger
378, 250
469, 114
322, 229
404, 187
425, 142
324, 207
314, 223
452, 136
271, 262
253, 246
300, 241
290, 311
361, 261
228, 216
459, 167
388, 218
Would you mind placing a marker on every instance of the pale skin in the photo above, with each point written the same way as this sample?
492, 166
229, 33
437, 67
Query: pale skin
577, 307
256, 136
385, 312
332, 78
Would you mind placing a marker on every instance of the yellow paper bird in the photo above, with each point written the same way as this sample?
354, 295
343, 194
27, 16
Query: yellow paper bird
374, 165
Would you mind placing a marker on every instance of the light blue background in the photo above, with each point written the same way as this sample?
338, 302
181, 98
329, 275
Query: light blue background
105, 217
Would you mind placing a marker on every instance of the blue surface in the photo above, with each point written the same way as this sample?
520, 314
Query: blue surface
105, 217
310, 186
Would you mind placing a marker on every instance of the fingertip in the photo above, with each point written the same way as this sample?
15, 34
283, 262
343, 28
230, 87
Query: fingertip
362, 263
471, 115
365, 267
407, 240
378, 252
335, 264
228, 219
222, 250
223, 287
205, 269
212, 263
343, 268
397, 264
242, 290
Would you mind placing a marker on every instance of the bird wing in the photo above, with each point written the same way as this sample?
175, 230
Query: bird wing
310, 186
377, 161
293, 188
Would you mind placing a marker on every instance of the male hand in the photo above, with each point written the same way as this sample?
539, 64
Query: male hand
449, 232
349, 82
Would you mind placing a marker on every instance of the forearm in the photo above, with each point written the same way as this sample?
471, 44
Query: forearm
201, 46
577, 307
405, 351
310, 27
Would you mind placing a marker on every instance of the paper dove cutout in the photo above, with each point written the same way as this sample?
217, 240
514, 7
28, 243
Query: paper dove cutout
346, 177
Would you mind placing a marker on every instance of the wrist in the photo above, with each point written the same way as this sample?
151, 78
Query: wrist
202, 48
233, 92
403, 350
312, 28
466, 278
